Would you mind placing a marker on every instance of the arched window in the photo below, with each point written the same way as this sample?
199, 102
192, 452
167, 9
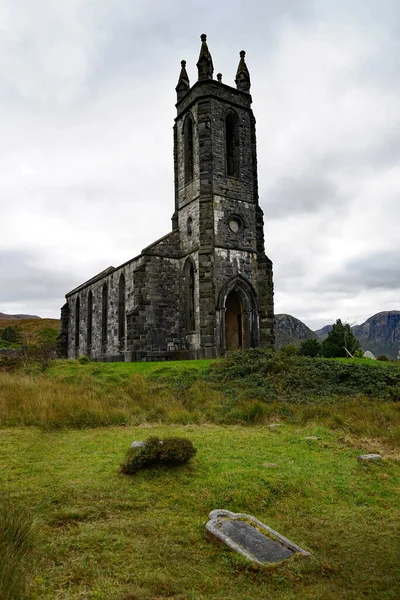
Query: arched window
104, 315
89, 319
121, 310
232, 145
190, 296
188, 148
77, 321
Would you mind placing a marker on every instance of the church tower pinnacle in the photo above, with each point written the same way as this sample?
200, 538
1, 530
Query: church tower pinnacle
205, 64
242, 75
183, 85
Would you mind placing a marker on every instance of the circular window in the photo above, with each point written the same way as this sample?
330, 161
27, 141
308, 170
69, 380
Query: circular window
235, 224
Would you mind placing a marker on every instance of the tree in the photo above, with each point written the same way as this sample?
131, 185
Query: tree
11, 334
341, 341
311, 347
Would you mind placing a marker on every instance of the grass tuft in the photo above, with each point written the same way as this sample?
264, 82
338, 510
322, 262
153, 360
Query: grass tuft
17, 541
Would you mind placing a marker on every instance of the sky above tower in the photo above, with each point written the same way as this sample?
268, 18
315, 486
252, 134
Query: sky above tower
87, 94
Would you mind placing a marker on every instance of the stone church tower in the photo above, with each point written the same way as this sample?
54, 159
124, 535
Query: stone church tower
206, 287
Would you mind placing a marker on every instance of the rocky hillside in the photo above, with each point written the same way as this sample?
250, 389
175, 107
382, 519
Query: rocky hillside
380, 333
323, 332
289, 330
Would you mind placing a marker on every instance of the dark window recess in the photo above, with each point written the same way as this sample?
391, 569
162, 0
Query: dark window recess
189, 226
188, 148
121, 310
232, 145
77, 321
104, 315
89, 319
190, 297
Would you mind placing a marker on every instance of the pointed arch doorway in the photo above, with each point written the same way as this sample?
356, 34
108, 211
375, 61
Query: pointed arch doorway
238, 316
234, 322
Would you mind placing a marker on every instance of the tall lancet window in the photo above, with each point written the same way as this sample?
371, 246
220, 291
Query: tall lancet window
121, 311
188, 148
232, 145
104, 315
77, 322
89, 319
190, 296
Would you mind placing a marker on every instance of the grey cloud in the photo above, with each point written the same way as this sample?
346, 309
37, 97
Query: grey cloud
380, 270
305, 194
22, 277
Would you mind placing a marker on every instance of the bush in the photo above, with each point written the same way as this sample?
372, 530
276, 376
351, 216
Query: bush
289, 350
176, 451
170, 451
16, 545
382, 357
83, 360
261, 375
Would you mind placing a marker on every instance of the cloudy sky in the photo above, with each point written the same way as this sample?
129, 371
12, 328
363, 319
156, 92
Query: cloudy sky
87, 95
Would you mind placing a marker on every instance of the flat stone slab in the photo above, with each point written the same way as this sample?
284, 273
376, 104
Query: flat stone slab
369, 457
251, 538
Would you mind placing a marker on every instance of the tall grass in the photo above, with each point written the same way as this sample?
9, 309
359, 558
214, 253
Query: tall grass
17, 540
251, 387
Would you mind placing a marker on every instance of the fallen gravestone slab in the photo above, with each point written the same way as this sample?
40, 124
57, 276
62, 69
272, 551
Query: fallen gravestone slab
251, 538
369, 458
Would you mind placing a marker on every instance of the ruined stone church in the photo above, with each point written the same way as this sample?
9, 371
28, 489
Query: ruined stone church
205, 287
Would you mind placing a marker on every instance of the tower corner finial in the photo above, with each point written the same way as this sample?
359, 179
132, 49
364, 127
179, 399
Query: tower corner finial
183, 85
242, 79
219, 77
205, 65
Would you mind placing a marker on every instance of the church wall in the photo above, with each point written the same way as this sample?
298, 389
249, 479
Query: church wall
113, 348
241, 188
245, 237
187, 192
155, 324
189, 243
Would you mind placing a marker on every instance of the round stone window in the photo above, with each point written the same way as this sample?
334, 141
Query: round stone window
235, 224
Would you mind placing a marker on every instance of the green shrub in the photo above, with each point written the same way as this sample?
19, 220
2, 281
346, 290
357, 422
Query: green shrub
170, 451
382, 357
16, 545
176, 450
289, 350
269, 377
83, 360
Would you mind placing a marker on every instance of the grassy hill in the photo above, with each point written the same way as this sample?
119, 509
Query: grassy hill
30, 328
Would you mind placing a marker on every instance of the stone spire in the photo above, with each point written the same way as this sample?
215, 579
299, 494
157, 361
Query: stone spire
205, 64
183, 85
242, 76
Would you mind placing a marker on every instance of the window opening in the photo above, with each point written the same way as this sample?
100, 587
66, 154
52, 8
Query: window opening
188, 148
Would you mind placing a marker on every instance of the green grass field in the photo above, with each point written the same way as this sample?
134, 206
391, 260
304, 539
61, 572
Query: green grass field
99, 534
107, 536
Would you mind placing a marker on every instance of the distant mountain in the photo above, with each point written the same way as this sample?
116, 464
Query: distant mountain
380, 333
5, 317
289, 330
323, 332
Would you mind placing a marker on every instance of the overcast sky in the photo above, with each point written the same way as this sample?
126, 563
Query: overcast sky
87, 102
